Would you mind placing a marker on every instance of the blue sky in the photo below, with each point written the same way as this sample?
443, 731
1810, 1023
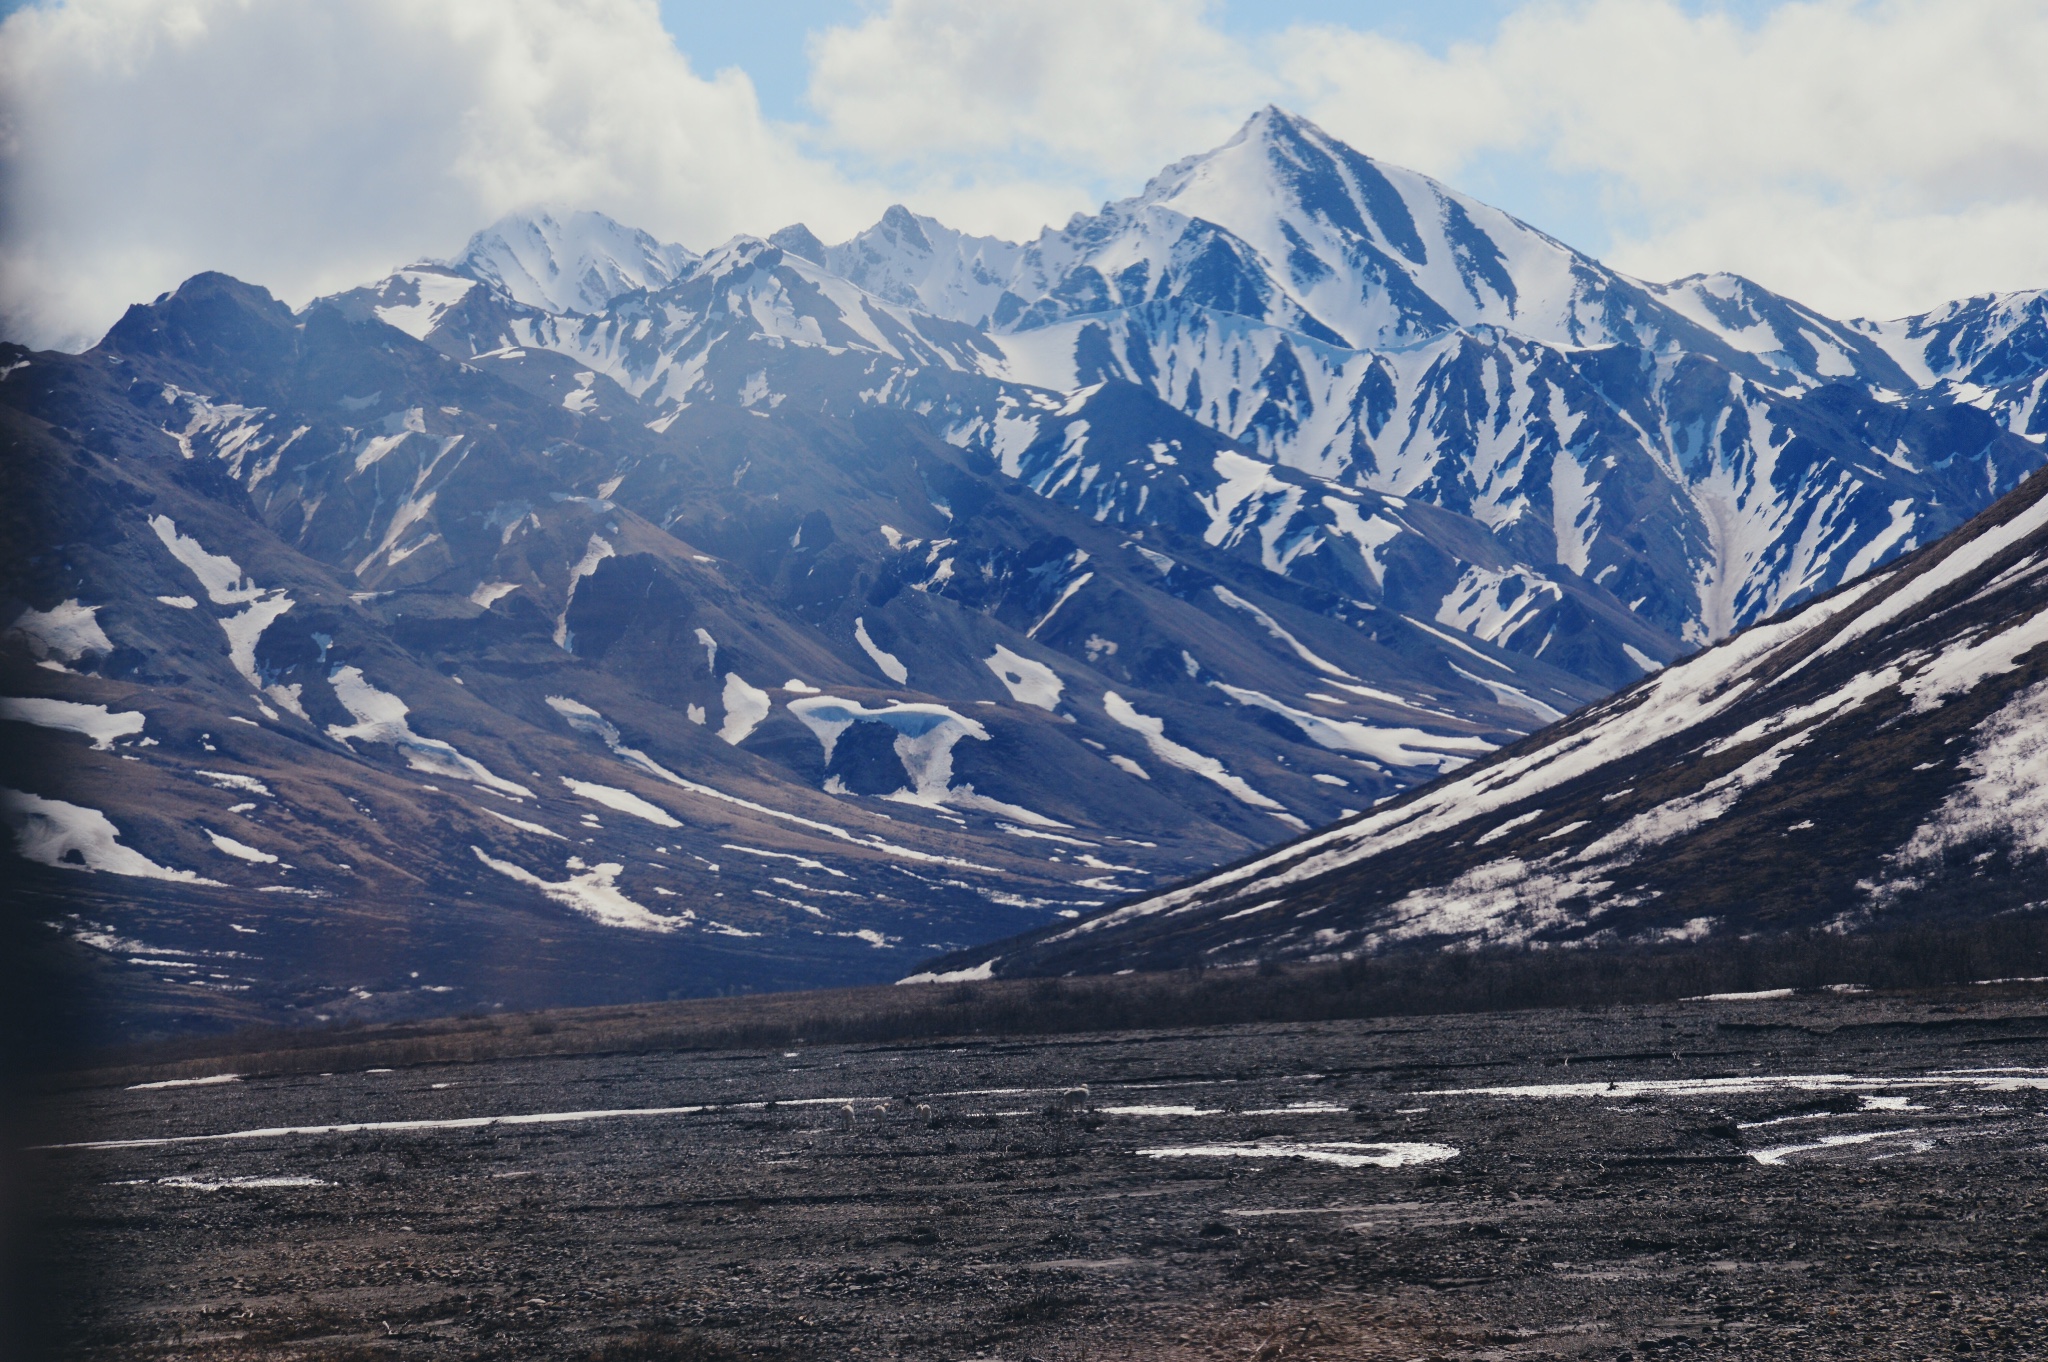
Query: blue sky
765, 38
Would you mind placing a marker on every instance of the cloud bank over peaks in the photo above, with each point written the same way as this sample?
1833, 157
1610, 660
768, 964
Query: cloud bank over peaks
310, 147
1866, 158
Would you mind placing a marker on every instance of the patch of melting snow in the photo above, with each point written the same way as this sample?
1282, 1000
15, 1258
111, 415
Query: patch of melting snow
1982, 1080
65, 632
591, 890
184, 1083
224, 780
806, 862
594, 553
241, 851
1760, 995
1779, 1153
584, 719
1343, 1153
887, 662
523, 825
380, 717
1275, 630
1299, 1109
232, 1184
93, 721
71, 837
973, 974
1870, 1104
623, 801
1153, 730
488, 593
745, 707
1393, 746
1890, 1104
2006, 794
223, 580
539, 1118
1029, 682
926, 735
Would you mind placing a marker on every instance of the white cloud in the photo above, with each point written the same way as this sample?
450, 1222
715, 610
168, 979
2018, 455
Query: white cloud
1863, 157
1114, 87
310, 147
1000, 116
1870, 157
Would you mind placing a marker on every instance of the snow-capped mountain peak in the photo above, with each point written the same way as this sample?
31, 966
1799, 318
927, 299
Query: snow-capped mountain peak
920, 262
575, 263
1991, 340
1376, 254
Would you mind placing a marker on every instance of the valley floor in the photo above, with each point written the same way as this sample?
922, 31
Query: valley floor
1821, 1176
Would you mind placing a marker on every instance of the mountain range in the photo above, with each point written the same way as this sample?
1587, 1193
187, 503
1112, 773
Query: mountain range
1875, 757
584, 618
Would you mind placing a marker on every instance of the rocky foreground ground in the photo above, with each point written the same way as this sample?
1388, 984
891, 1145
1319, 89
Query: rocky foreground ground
1820, 1176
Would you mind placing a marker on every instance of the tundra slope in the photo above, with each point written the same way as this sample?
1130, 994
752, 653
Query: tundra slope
1877, 755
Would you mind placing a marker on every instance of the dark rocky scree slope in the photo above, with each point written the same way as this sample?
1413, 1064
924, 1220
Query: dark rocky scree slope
585, 618
1875, 757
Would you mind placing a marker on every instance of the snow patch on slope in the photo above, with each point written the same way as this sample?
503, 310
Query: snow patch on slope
225, 585
625, 801
2006, 796
590, 890
888, 663
1029, 682
1153, 730
94, 721
241, 851
380, 718
745, 707
66, 632
1408, 747
584, 719
71, 837
1274, 628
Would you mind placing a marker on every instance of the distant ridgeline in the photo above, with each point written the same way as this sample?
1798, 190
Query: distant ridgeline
585, 619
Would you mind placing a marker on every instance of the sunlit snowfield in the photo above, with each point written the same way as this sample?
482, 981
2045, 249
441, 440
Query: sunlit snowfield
1817, 1175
